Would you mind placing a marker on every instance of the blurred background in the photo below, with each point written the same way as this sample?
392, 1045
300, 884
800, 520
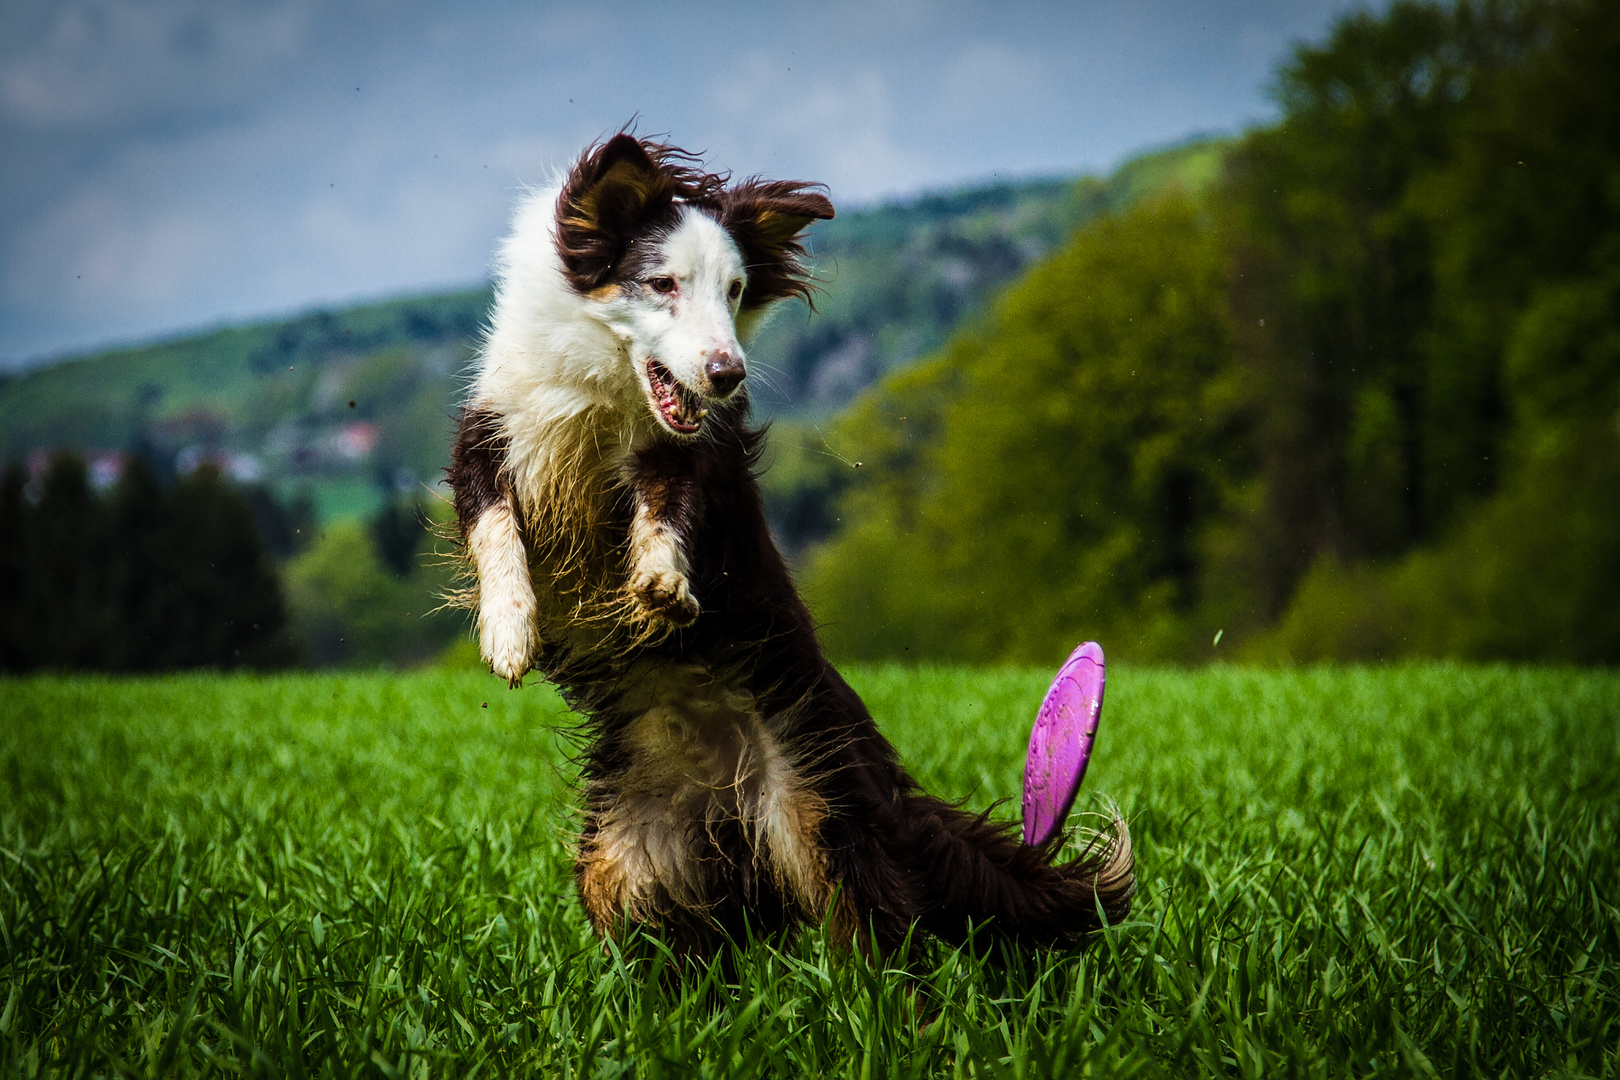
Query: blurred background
1271, 332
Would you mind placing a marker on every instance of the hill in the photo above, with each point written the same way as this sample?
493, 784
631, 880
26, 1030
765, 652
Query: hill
347, 405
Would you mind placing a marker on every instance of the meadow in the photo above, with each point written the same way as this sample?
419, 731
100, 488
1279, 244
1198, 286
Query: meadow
1405, 870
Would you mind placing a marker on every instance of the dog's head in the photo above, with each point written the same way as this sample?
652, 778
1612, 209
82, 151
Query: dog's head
675, 261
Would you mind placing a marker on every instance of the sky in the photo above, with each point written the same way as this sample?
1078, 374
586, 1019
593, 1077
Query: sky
168, 165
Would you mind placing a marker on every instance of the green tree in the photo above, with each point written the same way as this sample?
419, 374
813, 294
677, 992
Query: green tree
1051, 476
146, 579
199, 586
1525, 220
65, 616
1368, 442
1367, 392
16, 529
397, 532
350, 607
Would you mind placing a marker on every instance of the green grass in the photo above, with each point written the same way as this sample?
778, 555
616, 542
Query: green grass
1407, 871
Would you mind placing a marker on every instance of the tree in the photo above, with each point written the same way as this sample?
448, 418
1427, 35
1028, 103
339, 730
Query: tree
351, 607
16, 530
146, 579
217, 590
397, 532
1052, 475
1362, 400
66, 619
1369, 442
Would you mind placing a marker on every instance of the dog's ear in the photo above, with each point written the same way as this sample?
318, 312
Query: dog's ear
767, 219
613, 192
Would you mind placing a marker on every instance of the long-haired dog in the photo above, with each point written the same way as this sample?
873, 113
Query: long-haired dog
604, 478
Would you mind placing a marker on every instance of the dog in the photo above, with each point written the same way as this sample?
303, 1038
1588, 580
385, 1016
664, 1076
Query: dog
604, 476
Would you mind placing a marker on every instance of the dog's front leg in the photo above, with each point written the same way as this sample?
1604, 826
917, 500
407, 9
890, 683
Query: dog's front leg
506, 604
665, 509
493, 532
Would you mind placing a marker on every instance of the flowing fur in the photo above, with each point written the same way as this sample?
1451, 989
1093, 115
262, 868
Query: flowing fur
605, 480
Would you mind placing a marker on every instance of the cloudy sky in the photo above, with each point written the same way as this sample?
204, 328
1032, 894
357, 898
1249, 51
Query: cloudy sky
171, 164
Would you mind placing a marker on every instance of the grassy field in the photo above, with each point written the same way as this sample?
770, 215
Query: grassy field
1401, 871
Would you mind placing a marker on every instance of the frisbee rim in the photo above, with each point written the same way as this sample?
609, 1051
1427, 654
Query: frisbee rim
1088, 652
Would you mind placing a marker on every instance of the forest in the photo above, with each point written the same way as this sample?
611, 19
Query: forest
1358, 399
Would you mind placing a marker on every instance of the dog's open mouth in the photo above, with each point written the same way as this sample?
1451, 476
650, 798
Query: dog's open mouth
680, 409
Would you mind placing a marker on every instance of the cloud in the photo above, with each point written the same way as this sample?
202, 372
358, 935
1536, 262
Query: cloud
166, 163
92, 255
177, 235
838, 129
98, 65
990, 79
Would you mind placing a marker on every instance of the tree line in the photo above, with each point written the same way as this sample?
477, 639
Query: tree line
147, 577
1360, 398
161, 572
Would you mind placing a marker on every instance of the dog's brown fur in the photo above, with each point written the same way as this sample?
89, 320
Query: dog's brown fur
733, 779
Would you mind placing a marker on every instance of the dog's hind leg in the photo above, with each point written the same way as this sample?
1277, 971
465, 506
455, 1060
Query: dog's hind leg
646, 863
493, 532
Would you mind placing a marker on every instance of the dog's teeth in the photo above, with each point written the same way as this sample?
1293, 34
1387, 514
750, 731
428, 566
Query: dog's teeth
701, 413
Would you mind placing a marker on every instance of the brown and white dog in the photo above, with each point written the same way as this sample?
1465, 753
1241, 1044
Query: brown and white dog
604, 478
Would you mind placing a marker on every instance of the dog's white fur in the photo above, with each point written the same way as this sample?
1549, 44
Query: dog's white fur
695, 322
506, 602
568, 375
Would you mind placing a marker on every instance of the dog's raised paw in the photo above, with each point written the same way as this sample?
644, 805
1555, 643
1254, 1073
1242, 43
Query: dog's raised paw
504, 639
666, 596
509, 664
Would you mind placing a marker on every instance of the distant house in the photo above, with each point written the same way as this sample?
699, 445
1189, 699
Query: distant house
356, 441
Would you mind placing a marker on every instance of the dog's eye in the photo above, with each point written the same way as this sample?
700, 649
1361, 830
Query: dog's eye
736, 290
662, 284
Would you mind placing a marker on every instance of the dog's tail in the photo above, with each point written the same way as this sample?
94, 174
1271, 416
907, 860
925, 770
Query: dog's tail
980, 873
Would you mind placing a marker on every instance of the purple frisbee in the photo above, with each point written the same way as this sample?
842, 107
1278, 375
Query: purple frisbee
1060, 745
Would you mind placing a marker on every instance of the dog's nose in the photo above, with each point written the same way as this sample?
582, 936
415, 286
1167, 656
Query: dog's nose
725, 372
